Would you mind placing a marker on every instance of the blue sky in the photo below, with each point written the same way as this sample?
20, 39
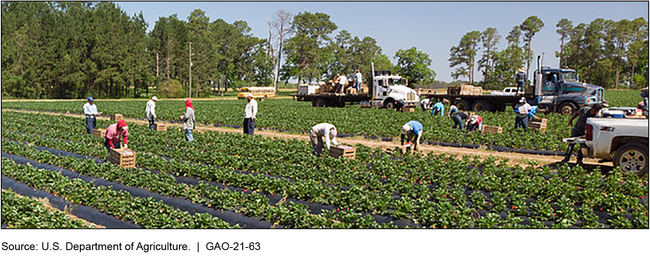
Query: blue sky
432, 27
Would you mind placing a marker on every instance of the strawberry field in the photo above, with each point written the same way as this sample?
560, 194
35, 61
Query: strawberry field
227, 180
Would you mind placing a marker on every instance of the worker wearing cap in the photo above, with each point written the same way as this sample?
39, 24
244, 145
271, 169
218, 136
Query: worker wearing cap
90, 111
522, 109
475, 123
426, 103
579, 128
188, 120
412, 132
114, 134
249, 115
320, 131
520, 78
151, 111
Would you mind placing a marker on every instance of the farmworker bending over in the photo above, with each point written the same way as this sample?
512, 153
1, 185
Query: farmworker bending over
579, 128
188, 120
522, 109
317, 133
249, 115
151, 111
90, 110
459, 118
412, 132
114, 134
439, 107
452, 109
475, 123
426, 104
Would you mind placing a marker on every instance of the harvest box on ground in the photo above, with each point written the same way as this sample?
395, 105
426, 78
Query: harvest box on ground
99, 133
343, 151
487, 129
116, 117
159, 126
125, 158
538, 124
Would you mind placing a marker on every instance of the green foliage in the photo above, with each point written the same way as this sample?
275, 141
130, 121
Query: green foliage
24, 212
171, 89
414, 66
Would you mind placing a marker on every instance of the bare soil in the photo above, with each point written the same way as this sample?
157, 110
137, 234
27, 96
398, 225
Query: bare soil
513, 158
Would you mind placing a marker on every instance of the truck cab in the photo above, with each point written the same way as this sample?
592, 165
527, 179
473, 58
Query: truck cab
559, 90
387, 90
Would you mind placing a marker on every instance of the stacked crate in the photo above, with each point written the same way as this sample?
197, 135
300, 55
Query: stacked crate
538, 124
99, 133
409, 109
487, 129
464, 90
116, 117
125, 158
159, 126
342, 151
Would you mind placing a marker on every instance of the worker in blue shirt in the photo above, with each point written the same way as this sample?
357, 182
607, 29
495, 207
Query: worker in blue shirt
412, 132
439, 107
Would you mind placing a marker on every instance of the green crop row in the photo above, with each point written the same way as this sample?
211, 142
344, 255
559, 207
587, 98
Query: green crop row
25, 212
434, 190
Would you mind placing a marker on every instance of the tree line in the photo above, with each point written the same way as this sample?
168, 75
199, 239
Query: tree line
604, 52
76, 49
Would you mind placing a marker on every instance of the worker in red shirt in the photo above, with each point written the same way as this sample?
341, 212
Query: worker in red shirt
114, 134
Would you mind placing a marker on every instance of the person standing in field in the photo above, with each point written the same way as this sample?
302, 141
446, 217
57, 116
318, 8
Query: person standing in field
320, 131
357, 81
522, 110
411, 133
90, 111
579, 128
151, 111
114, 135
188, 120
249, 115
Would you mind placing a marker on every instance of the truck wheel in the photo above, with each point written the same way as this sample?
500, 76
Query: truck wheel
567, 108
632, 157
463, 105
320, 102
389, 105
482, 105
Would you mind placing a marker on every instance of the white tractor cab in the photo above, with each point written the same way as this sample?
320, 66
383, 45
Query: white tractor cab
390, 91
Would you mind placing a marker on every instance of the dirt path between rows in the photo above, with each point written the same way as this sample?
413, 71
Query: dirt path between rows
513, 158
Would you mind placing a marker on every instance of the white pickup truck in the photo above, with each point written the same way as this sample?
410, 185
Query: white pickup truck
625, 138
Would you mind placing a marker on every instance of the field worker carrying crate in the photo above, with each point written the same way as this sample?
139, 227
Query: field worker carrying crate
412, 132
113, 136
90, 110
151, 111
317, 133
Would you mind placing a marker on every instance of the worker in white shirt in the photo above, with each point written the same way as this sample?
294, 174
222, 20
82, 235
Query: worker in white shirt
320, 131
151, 111
249, 115
90, 111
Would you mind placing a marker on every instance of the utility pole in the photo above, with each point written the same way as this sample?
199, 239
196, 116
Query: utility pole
190, 70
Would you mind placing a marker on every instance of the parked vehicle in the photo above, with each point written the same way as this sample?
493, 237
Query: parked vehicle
623, 140
386, 90
553, 90
258, 92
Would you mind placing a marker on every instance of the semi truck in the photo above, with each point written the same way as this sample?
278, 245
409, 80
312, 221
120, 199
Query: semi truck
385, 90
553, 90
